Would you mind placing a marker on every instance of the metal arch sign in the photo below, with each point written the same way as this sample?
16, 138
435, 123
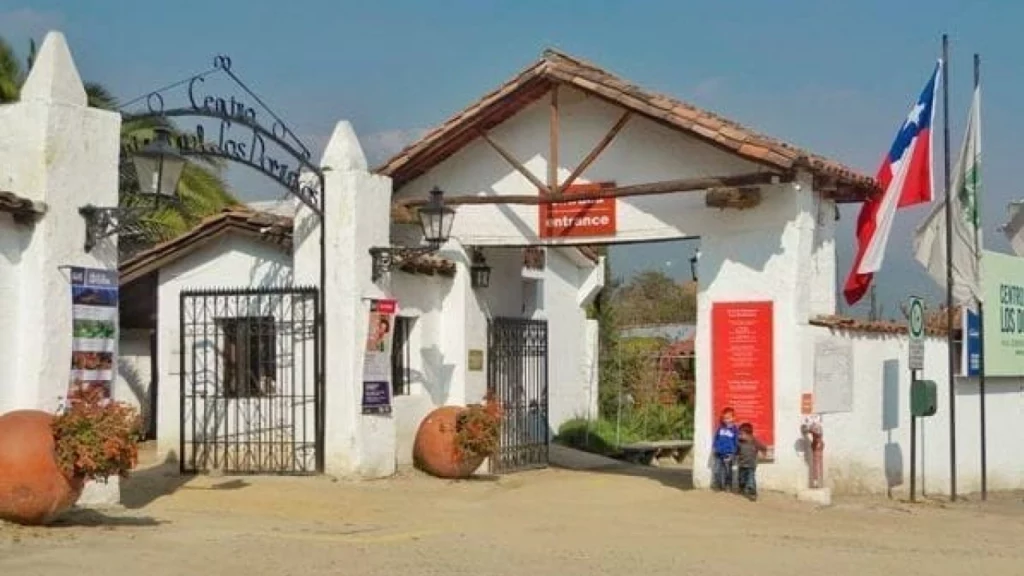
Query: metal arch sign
230, 126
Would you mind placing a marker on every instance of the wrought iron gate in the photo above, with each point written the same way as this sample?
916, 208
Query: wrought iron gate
517, 351
251, 391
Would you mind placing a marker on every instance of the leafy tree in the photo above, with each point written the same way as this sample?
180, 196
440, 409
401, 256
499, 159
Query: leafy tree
201, 192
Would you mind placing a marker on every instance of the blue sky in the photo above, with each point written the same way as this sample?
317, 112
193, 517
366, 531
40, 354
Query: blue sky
835, 77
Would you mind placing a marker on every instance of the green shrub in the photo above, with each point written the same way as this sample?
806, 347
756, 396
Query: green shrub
649, 423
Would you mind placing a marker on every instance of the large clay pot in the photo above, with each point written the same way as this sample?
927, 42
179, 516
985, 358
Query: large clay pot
33, 489
434, 449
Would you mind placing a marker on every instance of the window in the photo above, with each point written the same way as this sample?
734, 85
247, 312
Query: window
401, 375
249, 356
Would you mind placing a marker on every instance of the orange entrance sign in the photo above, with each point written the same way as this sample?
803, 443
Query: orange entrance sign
582, 218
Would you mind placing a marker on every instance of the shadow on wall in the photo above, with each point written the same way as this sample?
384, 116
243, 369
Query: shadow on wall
892, 452
436, 376
270, 272
139, 389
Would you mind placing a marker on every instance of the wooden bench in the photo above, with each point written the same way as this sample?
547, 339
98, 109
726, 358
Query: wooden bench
647, 452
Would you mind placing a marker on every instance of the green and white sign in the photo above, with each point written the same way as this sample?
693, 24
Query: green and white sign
916, 330
1003, 287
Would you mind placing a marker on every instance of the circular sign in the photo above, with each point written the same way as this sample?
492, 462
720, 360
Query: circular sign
916, 318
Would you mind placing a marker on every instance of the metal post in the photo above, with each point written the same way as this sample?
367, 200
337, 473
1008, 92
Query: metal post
321, 363
981, 313
951, 365
913, 445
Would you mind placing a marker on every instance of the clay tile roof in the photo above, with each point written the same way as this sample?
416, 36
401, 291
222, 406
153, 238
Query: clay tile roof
22, 209
932, 327
239, 219
555, 67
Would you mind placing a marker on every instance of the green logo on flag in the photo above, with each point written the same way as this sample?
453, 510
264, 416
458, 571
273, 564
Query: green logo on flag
968, 195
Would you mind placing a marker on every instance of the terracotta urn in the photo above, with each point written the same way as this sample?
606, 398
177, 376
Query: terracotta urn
33, 489
434, 450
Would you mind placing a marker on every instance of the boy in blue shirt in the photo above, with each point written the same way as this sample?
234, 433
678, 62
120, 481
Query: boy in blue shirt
724, 448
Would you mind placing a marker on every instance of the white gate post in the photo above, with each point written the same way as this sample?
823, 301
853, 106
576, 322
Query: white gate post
357, 216
55, 150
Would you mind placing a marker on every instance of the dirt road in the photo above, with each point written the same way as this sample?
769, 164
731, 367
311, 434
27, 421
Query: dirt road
555, 522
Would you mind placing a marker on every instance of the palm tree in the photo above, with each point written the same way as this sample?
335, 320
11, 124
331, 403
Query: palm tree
201, 192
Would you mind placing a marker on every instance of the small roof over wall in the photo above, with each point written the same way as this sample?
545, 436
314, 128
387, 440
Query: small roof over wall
555, 68
264, 226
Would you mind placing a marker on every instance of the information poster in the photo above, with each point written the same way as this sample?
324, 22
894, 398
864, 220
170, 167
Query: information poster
1003, 288
377, 362
742, 367
579, 218
94, 331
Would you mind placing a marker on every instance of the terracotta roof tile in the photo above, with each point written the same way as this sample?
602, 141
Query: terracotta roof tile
556, 67
263, 225
22, 209
872, 326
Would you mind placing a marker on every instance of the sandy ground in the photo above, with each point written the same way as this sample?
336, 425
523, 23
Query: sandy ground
555, 521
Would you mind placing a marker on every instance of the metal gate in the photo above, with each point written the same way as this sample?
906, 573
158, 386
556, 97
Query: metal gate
517, 351
251, 391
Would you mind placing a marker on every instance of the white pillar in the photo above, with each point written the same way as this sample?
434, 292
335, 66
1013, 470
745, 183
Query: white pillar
357, 217
787, 259
56, 150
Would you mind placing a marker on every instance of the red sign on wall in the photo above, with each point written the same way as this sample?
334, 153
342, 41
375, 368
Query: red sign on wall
742, 370
573, 219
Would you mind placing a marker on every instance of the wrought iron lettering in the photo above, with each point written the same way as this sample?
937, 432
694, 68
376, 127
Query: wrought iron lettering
237, 133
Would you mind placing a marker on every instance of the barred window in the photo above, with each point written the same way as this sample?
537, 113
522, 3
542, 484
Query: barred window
401, 375
249, 356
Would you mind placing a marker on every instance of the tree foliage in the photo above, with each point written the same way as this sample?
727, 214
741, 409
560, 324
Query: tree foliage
201, 192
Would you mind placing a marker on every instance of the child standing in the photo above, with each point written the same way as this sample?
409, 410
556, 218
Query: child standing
748, 449
724, 449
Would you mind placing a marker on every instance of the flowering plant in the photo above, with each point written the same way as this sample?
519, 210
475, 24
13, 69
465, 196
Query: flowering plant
477, 430
96, 438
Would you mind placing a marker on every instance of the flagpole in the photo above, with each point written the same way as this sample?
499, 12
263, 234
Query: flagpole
981, 309
951, 365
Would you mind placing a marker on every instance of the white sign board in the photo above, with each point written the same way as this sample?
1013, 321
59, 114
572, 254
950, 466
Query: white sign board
916, 331
833, 376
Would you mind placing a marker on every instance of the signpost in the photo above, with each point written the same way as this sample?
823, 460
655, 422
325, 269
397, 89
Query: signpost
922, 393
916, 331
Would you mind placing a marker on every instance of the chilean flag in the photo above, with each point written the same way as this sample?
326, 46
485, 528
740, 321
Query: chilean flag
906, 180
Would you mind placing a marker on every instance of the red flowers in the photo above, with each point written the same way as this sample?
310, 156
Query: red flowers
477, 430
96, 438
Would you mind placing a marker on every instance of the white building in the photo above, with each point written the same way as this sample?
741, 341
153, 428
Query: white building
441, 319
230, 308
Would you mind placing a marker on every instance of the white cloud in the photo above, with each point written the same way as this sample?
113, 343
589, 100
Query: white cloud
381, 146
709, 88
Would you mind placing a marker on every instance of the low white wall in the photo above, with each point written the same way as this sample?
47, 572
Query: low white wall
867, 450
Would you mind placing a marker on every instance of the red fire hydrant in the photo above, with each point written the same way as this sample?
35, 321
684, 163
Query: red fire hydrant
812, 433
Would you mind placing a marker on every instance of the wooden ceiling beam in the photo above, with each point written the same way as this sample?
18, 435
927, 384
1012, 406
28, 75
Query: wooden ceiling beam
515, 164
596, 151
653, 188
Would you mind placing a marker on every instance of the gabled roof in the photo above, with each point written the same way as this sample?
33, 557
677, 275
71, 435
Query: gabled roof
241, 220
22, 209
558, 68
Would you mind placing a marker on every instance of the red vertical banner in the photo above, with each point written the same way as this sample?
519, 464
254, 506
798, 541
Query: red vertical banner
742, 367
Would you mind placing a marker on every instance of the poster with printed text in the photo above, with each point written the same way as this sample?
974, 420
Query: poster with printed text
742, 365
94, 300
377, 361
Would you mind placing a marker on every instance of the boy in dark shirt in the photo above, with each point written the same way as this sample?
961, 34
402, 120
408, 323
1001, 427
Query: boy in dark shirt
748, 449
724, 450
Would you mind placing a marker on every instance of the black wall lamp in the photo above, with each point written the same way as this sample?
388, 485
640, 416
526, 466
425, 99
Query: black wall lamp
479, 270
158, 167
436, 223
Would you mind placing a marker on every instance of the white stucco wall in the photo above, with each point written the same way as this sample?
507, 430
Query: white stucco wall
868, 449
433, 356
643, 152
134, 371
231, 261
14, 238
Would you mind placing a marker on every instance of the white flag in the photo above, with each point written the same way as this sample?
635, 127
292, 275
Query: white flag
930, 237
